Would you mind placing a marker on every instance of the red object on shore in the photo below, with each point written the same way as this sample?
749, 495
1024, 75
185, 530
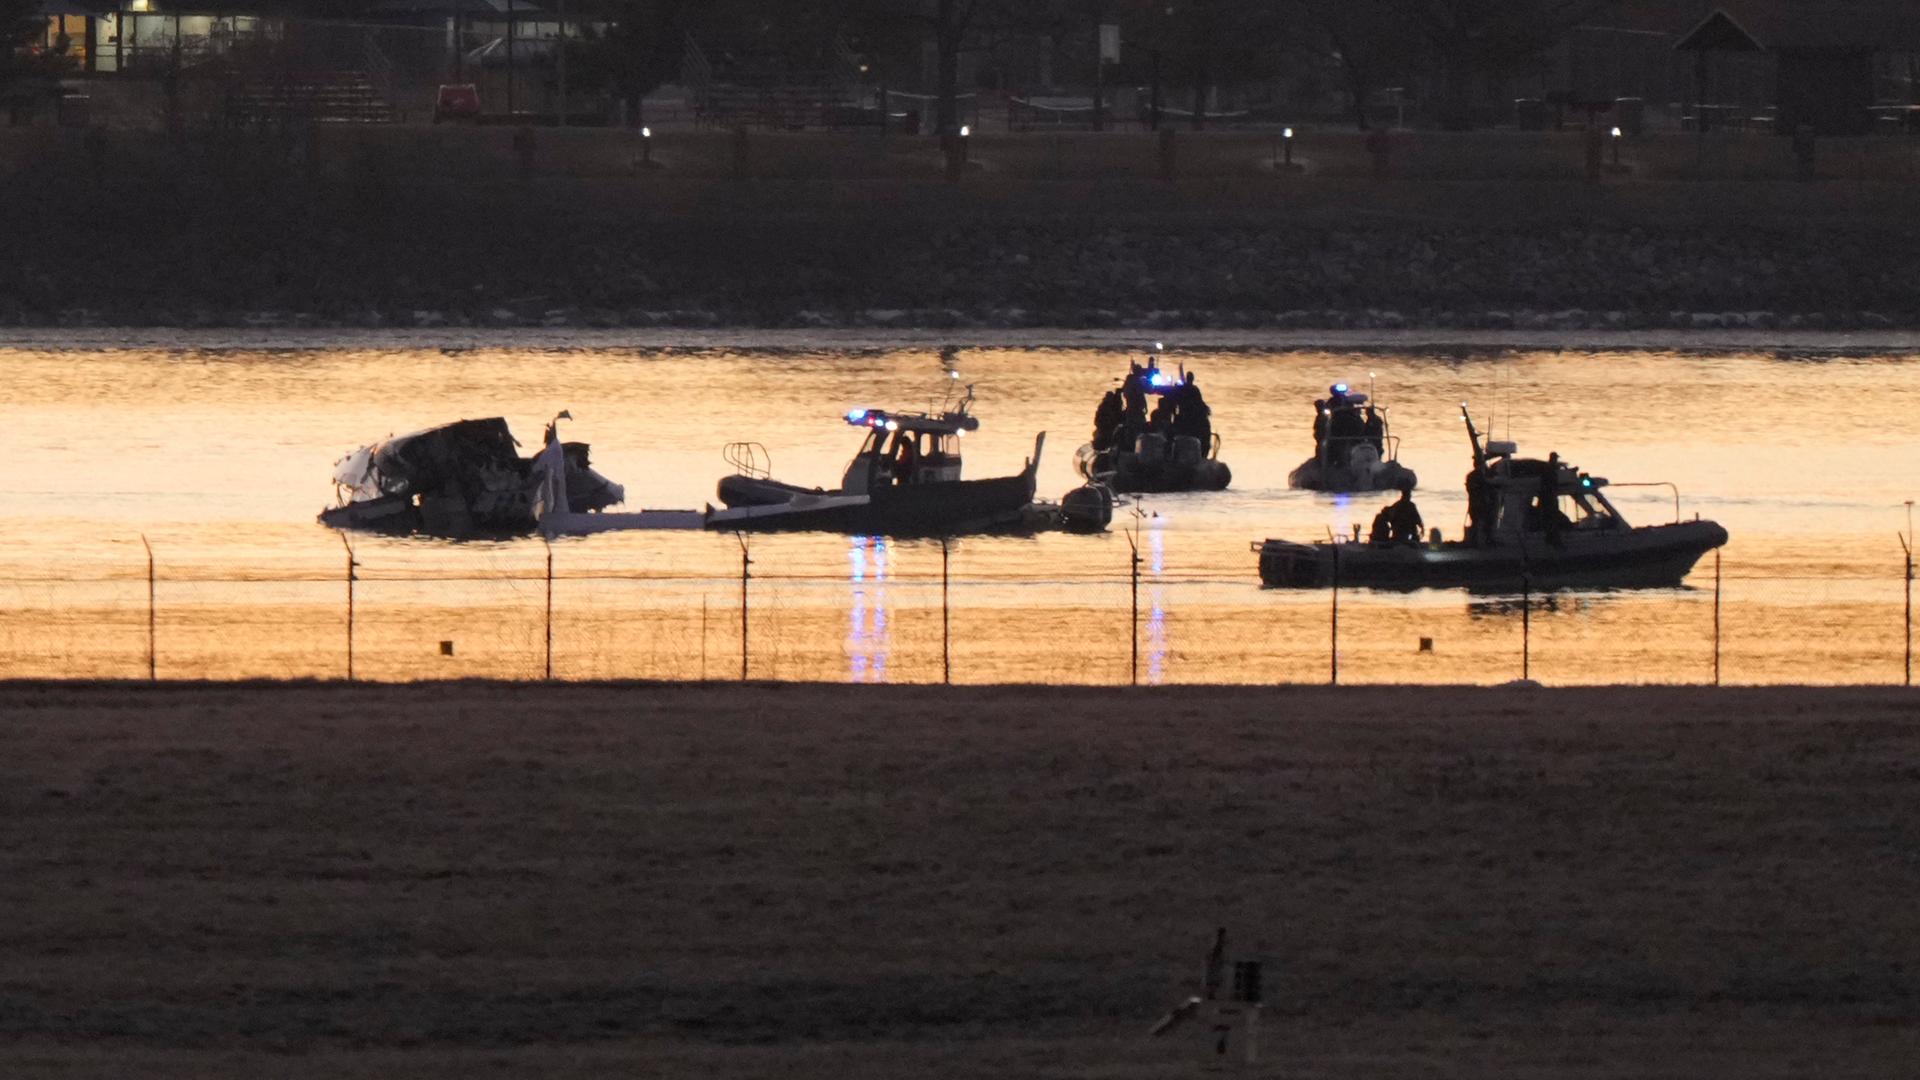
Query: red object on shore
457, 101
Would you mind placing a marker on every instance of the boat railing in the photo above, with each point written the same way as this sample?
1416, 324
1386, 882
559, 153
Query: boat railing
1668, 484
1213, 447
749, 459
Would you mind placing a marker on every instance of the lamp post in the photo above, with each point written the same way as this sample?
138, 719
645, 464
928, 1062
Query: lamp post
1616, 135
1286, 142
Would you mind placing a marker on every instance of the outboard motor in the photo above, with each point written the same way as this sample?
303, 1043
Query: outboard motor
1363, 461
1087, 508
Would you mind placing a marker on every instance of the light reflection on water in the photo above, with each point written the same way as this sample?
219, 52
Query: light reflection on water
221, 459
868, 642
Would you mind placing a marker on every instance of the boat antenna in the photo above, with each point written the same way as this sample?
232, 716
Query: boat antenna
1372, 397
1473, 436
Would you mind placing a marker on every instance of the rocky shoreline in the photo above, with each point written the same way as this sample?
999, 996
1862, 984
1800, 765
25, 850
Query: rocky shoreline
1147, 275
990, 319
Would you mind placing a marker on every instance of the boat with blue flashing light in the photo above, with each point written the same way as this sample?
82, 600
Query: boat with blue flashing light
1353, 449
905, 480
1531, 524
1170, 447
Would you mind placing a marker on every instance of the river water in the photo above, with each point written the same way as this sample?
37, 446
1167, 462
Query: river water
220, 458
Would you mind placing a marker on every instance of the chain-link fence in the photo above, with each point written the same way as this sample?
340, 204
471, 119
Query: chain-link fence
925, 613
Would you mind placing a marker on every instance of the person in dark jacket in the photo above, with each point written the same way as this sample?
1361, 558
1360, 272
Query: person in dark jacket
1399, 521
1106, 421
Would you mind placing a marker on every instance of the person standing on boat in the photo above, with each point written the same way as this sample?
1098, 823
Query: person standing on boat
1345, 427
1399, 521
1193, 416
1376, 431
1163, 411
1107, 420
1483, 506
1133, 402
1547, 516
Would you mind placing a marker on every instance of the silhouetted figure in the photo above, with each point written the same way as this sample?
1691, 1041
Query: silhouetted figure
1133, 404
1106, 421
1482, 508
1163, 410
1545, 515
909, 460
1319, 426
1345, 428
1376, 431
1193, 416
1399, 521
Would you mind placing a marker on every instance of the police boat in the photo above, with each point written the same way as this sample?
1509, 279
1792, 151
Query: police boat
1352, 448
1154, 433
903, 481
1530, 524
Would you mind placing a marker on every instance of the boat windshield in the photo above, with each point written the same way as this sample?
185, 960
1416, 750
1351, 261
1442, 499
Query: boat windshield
907, 456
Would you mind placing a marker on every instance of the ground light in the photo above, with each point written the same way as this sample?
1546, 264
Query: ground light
1286, 142
1616, 147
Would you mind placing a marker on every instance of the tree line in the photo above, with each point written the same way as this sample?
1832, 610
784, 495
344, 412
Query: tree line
1197, 45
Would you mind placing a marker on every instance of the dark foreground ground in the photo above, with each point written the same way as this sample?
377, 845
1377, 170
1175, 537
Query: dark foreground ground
510, 880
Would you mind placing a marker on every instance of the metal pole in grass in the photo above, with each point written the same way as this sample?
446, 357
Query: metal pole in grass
1333, 645
549, 545
946, 625
746, 561
153, 655
348, 544
1716, 616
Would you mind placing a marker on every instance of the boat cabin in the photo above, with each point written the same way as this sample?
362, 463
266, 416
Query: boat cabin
1344, 421
905, 449
1510, 498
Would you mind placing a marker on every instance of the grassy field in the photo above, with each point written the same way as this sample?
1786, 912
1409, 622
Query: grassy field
503, 880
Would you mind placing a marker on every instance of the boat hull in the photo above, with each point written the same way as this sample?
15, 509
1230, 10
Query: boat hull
948, 508
1657, 556
1130, 473
1312, 475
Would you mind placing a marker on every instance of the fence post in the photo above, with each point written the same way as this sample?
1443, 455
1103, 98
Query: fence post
1133, 621
1906, 547
1526, 625
746, 561
344, 542
549, 670
946, 624
153, 655
1716, 616
1333, 645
